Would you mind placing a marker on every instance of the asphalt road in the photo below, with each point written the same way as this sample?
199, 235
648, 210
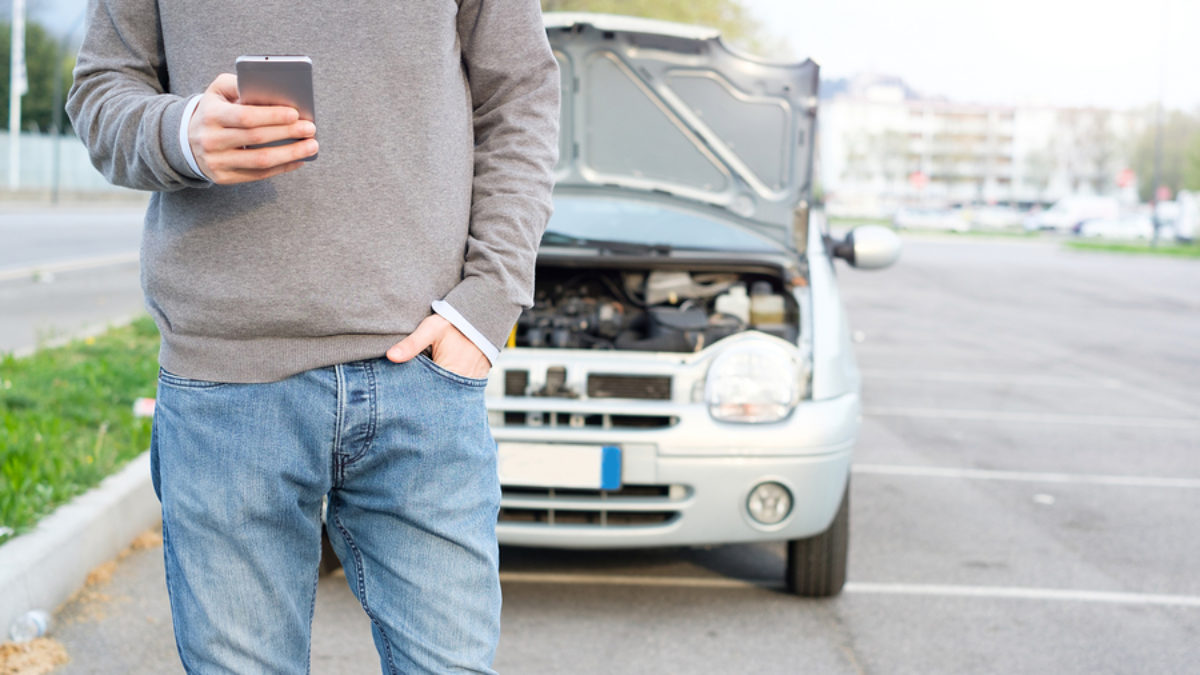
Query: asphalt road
66, 270
1024, 500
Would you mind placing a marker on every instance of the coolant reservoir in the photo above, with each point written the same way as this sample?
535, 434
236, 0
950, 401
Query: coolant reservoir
766, 308
734, 302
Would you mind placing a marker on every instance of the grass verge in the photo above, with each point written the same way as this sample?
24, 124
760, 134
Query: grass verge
66, 419
1143, 248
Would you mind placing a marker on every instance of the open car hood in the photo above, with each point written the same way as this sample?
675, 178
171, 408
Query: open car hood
660, 107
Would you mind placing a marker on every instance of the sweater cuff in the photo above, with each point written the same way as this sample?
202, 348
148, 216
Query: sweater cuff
486, 307
169, 130
184, 146
443, 309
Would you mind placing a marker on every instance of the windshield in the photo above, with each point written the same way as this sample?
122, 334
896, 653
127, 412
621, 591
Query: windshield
646, 223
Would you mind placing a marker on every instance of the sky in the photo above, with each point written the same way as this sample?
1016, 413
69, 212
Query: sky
1108, 53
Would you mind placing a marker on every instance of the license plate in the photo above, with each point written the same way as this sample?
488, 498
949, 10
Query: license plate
549, 465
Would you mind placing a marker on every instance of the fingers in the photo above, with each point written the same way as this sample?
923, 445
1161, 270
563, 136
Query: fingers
426, 332
239, 165
221, 129
248, 175
456, 353
219, 138
451, 349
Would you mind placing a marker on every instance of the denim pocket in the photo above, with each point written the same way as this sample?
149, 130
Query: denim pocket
173, 380
451, 375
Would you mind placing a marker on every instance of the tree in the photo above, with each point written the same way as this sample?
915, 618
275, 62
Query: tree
1191, 171
43, 61
728, 16
1180, 150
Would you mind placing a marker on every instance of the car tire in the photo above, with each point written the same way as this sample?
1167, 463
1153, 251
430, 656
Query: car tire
816, 566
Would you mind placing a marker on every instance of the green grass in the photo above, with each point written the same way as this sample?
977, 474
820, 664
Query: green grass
66, 419
1144, 248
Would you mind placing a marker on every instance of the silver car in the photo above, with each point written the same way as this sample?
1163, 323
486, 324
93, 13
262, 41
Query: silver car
685, 376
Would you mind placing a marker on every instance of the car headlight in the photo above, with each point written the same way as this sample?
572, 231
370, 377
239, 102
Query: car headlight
754, 381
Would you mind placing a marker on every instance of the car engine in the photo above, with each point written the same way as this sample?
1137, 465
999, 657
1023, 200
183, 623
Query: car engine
658, 310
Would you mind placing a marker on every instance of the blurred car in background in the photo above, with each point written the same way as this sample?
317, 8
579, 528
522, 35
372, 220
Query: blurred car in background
942, 218
1188, 219
1167, 213
1130, 226
1067, 213
685, 375
994, 217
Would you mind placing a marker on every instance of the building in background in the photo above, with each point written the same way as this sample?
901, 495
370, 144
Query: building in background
882, 147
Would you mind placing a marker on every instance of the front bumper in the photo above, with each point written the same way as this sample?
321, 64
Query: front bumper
688, 484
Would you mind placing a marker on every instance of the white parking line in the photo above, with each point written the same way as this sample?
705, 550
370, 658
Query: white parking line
1037, 418
991, 378
68, 265
1018, 380
864, 588
1025, 476
1021, 593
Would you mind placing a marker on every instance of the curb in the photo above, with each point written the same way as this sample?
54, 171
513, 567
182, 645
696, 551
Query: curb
43, 568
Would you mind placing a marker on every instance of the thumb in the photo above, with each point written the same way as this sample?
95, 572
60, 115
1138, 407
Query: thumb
416, 342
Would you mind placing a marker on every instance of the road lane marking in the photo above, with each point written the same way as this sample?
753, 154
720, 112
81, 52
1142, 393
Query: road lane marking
74, 265
1025, 476
1156, 396
1036, 418
1024, 593
990, 378
864, 588
1017, 380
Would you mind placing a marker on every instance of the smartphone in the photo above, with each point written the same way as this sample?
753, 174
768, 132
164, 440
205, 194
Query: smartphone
277, 80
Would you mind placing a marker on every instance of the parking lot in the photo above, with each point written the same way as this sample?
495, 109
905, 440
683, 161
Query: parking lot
1024, 499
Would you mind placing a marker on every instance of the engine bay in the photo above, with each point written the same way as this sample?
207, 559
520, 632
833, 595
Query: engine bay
663, 310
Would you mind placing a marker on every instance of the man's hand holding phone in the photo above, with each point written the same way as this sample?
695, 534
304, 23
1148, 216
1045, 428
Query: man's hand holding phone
221, 129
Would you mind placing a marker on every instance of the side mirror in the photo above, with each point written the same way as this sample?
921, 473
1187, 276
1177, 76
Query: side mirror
868, 247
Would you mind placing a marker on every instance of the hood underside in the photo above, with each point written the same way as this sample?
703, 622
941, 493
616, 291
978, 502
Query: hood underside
660, 107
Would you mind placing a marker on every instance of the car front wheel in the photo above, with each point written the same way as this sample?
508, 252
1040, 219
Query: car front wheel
816, 566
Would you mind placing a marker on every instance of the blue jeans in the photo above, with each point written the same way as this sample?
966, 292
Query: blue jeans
406, 458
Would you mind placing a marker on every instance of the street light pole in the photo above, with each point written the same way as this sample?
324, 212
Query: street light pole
1158, 130
17, 85
56, 112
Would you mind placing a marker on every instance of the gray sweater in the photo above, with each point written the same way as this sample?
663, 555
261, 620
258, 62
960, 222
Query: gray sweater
438, 128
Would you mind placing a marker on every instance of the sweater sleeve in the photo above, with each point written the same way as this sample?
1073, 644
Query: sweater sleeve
514, 84
119, 103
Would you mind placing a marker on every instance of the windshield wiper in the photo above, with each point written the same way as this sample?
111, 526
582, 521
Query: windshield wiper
606, 245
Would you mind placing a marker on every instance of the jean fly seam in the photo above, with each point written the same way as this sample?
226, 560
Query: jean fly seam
372, 398
339, 418
360, 583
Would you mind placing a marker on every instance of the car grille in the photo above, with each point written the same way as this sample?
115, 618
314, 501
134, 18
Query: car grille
644, 387
516, 382
599, 385
630, 506
551, 419
556, 405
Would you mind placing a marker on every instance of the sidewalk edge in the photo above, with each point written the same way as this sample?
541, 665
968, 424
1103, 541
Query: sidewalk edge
43, 568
